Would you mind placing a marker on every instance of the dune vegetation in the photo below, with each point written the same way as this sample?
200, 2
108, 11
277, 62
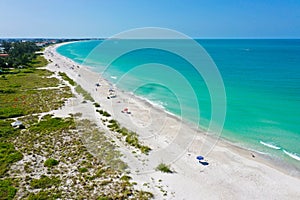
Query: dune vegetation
46, 157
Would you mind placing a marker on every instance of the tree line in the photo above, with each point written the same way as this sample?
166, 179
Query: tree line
19, 54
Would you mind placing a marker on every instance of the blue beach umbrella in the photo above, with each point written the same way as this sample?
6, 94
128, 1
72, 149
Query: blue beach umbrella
200, 157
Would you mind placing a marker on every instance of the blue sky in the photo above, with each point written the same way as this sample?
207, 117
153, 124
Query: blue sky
195, 18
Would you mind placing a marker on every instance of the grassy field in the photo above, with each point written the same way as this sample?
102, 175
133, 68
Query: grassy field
39, 61
48, 158
23, 92
28, 92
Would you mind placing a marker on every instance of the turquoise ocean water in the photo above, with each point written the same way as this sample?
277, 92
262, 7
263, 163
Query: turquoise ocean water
261, 78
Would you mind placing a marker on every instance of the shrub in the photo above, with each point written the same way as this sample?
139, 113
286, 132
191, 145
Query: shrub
97, 105
44, 182
106, 114
112, 121
83, 170
104, 198
49, 124
44, 195
143, 195
164, 168
8, 155
50, 162
7, 191
66, 78
145, 149
7, 130
87, 96
125, 178
132, 139
10, 112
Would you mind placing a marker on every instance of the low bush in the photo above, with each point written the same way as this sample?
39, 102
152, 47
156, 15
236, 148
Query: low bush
67, 78
44, 195
125, 178
50, 162
8, 155
87, 96
45, 182
83, 170
97, 105
104, 113
7, 191
164, 168
49, 124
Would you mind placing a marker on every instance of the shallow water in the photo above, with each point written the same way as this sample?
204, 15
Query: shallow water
261, 78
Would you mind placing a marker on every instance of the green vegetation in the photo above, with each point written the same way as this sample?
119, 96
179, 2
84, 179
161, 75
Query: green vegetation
164, 168
130, 137
38, 61
6, 130
20, 54
83, 170
104, 113
44, 195
49, 124
45, 182
104, 198
8, 155
20, 94
26, 93
100, 146
7, 190
50, 162
66, 78
125, 178
87, 96
97, 105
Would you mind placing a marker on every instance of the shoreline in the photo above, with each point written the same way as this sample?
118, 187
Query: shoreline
220, 147
278, 158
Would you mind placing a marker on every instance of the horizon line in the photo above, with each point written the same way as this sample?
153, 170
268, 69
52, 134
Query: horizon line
212, 38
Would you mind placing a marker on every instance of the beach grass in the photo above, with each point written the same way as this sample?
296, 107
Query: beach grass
50, 162
45, 182
130, 137
43, 195
67, 78
21, 93
164, 168
7, 189
21, 96
87, 96
34, 160
106, 174
8, 156
38, 61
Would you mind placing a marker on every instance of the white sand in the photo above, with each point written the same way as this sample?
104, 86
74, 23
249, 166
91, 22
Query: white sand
232, 172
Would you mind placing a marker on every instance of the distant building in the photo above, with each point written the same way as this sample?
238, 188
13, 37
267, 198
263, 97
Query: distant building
41, 44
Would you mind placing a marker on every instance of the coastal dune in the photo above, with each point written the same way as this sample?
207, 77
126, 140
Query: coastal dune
227, 172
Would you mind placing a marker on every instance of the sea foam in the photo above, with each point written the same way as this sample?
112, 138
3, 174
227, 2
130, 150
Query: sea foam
270, 145
292, 155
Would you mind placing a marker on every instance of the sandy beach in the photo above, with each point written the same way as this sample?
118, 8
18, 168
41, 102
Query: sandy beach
227, 172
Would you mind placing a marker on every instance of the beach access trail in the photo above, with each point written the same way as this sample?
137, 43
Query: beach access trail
231, 172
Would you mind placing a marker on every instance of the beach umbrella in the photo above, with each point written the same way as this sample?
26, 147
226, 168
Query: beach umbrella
199, 157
